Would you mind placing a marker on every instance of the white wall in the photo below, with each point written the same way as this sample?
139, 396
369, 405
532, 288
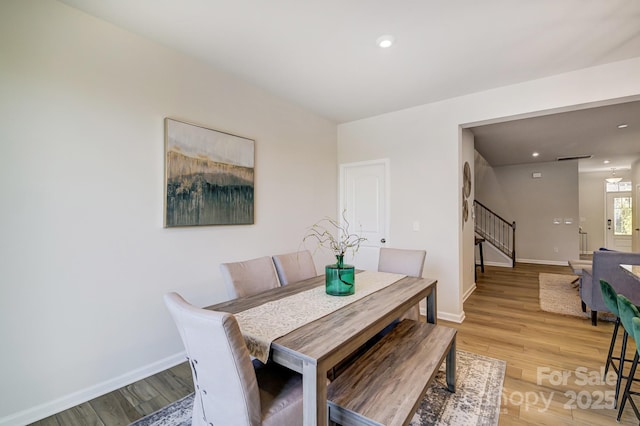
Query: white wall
592, 207
490, 192
425, 187
468, 232
84, 257
424, 146
492, 187
533, 204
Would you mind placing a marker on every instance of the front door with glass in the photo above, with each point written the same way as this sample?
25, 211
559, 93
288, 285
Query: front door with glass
618, 221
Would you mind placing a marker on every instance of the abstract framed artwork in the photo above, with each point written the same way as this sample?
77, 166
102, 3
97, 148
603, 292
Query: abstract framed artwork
209, 176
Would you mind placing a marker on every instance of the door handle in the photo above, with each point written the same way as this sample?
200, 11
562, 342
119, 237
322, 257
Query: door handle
609, 224
382, 240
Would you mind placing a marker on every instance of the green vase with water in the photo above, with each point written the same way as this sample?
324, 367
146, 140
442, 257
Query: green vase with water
340, 278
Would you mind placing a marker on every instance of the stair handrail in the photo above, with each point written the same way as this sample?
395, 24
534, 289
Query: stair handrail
506, 244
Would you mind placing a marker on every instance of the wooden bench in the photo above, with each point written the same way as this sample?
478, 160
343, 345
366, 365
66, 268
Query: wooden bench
386, 384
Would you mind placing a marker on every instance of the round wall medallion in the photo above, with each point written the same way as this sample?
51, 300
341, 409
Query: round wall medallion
466, 179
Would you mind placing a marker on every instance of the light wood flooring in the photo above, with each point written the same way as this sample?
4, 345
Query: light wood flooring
503, 320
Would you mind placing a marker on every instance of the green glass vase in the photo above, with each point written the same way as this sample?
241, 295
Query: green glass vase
340, 278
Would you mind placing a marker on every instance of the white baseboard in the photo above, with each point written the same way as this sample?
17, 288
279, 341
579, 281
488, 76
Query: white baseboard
535, 261
544, 262
499, 264
446, 316
76, 398
467, 293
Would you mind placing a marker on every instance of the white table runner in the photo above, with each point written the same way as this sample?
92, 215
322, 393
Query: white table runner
263, 324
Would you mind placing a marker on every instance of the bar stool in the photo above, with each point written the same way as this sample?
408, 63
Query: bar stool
610, 298
628, 313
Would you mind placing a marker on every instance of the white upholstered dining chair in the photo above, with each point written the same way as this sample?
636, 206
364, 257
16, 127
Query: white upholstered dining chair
249, 277
294, 267
229, 388
406, 262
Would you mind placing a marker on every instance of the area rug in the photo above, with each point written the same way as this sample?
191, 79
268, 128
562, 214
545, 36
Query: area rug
476, 401
558, 295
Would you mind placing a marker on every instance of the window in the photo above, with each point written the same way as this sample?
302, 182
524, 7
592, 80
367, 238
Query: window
619, 187
622, 216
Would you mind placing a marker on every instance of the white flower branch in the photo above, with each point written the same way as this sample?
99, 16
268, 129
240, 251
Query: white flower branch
340, 243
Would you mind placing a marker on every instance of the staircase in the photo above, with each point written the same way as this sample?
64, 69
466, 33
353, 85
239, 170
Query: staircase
495, 230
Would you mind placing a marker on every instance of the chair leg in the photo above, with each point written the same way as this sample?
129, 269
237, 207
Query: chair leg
594, 318
584, 306
614, 336
621, 365
627, 388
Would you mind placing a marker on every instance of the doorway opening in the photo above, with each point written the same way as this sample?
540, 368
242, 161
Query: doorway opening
619, 216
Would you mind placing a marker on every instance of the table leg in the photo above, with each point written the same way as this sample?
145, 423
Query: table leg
314, 396
432, 305
451, 367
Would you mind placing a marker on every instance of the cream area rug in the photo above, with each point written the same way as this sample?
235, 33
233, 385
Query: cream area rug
560, 296
476, 401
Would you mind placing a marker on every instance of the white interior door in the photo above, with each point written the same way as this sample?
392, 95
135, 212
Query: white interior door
364, 194
618, 222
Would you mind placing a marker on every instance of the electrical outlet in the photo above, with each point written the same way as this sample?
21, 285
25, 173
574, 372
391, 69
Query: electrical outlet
555, 249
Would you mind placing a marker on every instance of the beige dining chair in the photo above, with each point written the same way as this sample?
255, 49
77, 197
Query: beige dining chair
249, 277
397, 261
294, 267
406, 262
229, 388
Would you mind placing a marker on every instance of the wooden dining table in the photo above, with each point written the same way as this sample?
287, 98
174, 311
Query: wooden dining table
317, 346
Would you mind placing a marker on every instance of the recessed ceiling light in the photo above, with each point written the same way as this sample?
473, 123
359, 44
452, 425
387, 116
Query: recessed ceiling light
535, 154
623, 126
606, 161
385, 41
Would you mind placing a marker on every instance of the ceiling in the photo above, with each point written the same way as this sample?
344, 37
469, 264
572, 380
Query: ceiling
322, 55
588, 132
